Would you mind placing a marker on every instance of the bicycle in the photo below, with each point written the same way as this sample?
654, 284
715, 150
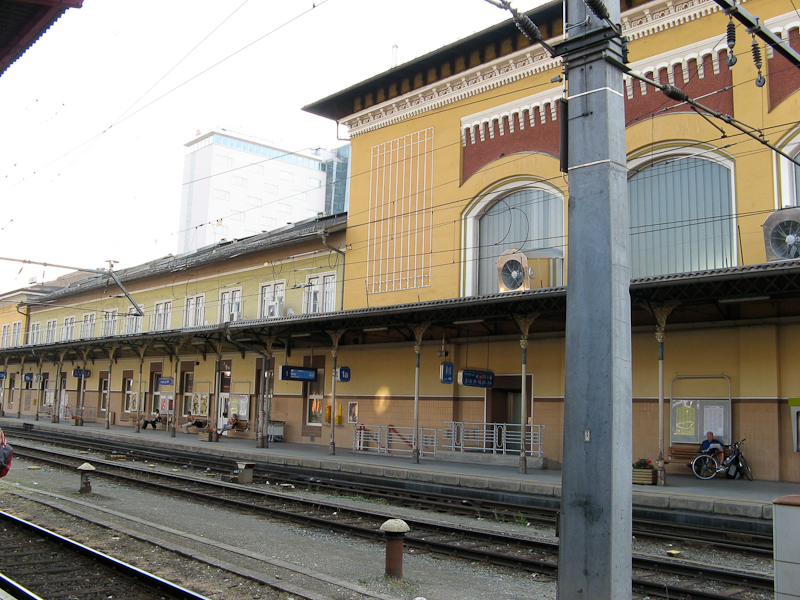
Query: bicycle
706, 466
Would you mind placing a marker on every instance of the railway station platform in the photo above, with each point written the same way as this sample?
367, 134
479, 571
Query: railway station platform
726, 498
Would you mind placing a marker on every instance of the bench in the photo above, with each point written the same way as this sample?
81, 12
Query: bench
686, 452
242, 426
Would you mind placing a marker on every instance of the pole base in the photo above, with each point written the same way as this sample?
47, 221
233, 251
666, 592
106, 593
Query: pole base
415, 456
523, 465
332, 449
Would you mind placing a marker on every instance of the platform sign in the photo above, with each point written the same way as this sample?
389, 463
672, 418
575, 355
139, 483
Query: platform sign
343, 374
27, 377
471, 378
446, 372
165, 381
2, 375
81, 373
290, 373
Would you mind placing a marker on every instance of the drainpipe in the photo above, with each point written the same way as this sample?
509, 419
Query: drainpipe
324, 236
262, 437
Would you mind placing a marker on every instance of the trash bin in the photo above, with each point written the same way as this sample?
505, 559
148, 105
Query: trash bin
245, 472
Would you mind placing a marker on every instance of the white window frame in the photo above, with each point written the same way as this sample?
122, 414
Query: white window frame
470, 222
254, 201
256, 168
269, 222
284, 208
226, 161
286, 175
314, 182
319, 293
51, 327
239, 181
110, 322
268, 293
161, 318
105, 385
238, 215
300, 195
194, 310
87, 325
221, 194
5, 337
68, 329
133, 321
786, 186
36, 333
16, 333
270, 188
230, 305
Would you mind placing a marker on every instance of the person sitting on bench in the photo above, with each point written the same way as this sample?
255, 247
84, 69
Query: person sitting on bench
231, 424
155, 417
192, 422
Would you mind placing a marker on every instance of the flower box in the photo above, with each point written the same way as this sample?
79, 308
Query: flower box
204, 436
644, 476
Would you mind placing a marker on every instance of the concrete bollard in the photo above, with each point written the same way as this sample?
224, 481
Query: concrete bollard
86, 483
395, 530
786, 532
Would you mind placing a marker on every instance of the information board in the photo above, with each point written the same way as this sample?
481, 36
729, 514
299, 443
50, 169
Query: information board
691, 418
471, 378
290, 373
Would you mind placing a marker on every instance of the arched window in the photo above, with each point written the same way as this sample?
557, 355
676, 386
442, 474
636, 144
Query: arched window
681, 213
788, 174
527, 218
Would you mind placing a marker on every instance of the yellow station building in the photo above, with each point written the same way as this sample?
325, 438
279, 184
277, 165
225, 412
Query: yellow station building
454, 253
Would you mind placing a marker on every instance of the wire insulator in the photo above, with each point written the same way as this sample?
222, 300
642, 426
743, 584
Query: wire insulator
674, 93
756, 50
731, 34
528, 28
598, 8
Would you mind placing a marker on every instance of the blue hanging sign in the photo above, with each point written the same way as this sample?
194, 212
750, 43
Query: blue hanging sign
81, 373
27, 377
446, 372
343, 374
468, 377
290, 373
165, 381
2, 375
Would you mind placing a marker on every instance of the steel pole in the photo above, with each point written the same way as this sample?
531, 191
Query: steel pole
595, 528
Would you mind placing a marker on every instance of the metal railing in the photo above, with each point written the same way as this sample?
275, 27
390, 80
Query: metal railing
388, 439
495, 438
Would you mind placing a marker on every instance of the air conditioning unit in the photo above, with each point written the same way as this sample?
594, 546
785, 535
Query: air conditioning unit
782, 234
275, 309
530, 269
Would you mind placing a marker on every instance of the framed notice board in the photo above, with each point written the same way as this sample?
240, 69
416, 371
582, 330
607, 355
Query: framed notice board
691, 417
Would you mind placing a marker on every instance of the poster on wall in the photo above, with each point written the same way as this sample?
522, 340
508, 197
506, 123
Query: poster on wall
240, 404
165, 404
352, 412
200, 404
690, 418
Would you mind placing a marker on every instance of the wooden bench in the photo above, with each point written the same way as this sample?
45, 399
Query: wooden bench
242, 426
686, 452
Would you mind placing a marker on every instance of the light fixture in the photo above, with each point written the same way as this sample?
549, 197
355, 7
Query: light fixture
742, 299
296, 335
375, 329
468, 322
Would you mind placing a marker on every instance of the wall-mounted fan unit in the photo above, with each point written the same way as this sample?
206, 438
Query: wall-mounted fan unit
529, 269
782, 234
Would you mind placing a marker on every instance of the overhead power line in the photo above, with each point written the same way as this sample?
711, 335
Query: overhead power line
757, 27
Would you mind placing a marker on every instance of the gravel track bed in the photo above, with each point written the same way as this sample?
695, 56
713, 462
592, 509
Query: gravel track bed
358, 561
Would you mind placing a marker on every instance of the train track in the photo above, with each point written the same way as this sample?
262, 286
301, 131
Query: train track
531, 555
739, 535
36, 563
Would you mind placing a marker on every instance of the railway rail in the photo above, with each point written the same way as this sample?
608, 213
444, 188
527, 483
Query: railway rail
738, 535
37, 563
477, 545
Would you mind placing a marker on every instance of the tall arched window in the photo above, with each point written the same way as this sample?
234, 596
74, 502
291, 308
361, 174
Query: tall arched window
681, 217
524, 219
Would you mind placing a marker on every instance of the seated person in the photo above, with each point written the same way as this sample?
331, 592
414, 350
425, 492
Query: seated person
192, 422
232, 422
712, 446
155, 417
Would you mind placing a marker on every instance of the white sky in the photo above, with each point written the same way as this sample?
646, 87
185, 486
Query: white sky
71, 194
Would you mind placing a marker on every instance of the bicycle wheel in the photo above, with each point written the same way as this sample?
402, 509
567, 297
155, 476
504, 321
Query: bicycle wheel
746, 470
704, 466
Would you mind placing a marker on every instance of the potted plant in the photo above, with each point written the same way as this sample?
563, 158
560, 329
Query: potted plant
643, 472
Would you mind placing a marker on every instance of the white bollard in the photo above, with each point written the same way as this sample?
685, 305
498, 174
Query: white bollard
786, 547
